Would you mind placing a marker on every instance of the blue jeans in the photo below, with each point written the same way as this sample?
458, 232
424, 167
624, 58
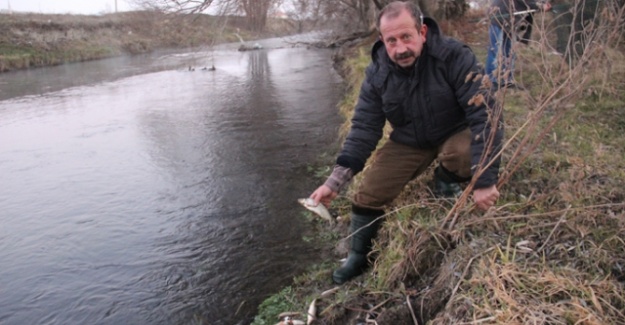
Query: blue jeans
499, 53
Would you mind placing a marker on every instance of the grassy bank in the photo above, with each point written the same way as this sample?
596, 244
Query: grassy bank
551, 252
35, 40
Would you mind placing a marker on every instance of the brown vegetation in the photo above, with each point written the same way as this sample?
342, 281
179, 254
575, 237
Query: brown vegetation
34, 40
551, 252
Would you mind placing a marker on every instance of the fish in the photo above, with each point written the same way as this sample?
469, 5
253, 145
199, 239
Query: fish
318, 209
289, 314
312, 312
289, 321
330, 291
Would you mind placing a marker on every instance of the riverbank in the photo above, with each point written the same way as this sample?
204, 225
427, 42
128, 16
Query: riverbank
550, 252
31, 40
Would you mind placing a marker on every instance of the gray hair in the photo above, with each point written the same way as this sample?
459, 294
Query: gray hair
395, 8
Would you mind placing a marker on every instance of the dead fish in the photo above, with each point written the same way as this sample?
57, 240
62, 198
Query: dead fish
318, 209
329, 291
289, 321
312, 312
290, 314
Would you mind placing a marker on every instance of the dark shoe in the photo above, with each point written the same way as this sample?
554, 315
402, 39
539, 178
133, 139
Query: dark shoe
354, 266
446, 190
445, 184
363, 228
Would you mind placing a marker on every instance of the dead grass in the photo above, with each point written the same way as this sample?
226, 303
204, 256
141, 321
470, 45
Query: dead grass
34, 40
551, 252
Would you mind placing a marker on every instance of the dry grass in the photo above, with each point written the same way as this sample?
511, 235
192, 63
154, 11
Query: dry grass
34, 40
553, 250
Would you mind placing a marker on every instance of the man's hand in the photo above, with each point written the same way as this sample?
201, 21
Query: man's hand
485, 197
324, 195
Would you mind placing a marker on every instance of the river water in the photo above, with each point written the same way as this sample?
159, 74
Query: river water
135, 191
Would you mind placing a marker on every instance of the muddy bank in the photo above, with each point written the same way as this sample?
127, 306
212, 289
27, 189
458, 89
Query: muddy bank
36, 40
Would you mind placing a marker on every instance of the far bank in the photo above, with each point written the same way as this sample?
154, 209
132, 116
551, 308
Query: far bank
31, 40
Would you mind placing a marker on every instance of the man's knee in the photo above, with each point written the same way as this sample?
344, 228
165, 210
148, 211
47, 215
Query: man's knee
455, 155
448, 176
371, 201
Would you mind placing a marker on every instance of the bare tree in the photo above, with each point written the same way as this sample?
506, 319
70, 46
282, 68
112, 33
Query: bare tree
302, 11
256, 11
355, 15
348, 15
358, 15
439, 9
362, 9
423, 4
186, 6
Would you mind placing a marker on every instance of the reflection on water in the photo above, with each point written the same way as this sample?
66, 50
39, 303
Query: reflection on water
163, 198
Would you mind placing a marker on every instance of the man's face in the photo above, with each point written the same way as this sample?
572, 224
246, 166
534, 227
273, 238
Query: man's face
403, 41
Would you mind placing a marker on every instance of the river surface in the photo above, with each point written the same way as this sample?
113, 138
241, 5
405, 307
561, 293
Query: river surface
135, 191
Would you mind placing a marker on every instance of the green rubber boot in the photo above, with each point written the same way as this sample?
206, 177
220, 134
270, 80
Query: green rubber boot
444, 185
363, 229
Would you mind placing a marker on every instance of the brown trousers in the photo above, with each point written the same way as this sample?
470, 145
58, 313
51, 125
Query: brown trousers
394, 165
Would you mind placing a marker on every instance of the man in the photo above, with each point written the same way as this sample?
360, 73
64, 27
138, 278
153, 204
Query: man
418, 81
510, 20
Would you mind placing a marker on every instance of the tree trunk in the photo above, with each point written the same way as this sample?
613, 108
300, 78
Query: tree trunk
256, 12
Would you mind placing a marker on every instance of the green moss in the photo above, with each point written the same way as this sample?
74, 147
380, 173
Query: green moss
269, 309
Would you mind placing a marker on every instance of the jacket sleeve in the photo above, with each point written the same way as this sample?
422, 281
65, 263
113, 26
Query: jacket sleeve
483, 112
367, 125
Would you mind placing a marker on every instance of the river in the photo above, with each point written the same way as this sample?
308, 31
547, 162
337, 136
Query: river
136, 191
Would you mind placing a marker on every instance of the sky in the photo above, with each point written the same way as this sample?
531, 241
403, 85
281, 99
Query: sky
83, 7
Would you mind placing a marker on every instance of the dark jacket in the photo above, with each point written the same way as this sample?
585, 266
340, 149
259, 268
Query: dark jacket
425, 105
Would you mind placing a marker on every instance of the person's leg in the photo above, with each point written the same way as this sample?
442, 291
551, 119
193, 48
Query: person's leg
454, 157
563, 20
495, 35
508, 56
394, 165
585, 12
500, 57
